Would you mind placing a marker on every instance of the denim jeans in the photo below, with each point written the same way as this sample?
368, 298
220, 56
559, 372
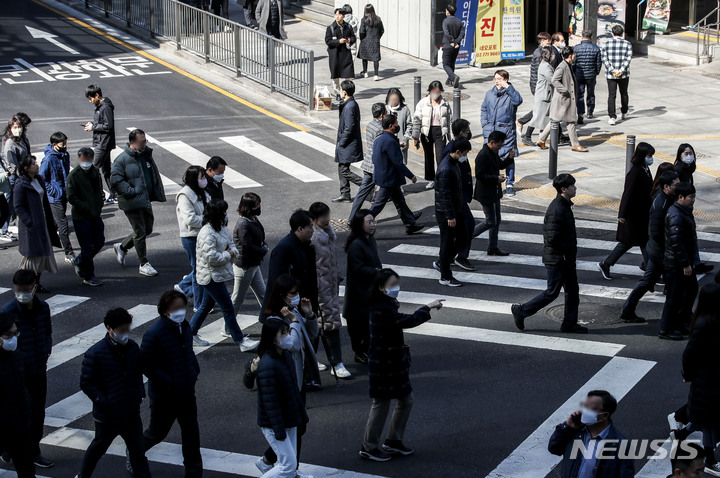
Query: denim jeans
91, 238
510, 173
583, 85
562, 275
189, 283
367, 187
217, 293
286, 451
250, 278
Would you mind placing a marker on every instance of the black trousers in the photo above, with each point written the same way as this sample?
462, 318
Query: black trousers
398, 198
36, 384
559, 276
526, 119
163, 414
91, 238
358, 325
452, 240
16, 441
131, 432
4, 209
449, 55
433, 146
613, 86
376, 66
653, 272
680, 292
101, 160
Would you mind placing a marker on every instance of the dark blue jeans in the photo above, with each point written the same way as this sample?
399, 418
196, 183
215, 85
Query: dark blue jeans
560, 276
583, 85
189, 284
217, 293
91, 238
653, 272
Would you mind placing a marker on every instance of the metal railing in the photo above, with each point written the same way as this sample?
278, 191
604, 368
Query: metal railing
279, 65
705, 29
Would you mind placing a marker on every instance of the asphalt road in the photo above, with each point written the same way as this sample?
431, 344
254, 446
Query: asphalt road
486, 395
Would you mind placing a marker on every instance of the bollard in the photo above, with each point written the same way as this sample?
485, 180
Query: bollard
554, 140
629, 151
456, 104
418, 90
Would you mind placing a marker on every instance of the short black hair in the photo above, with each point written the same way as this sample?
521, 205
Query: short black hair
167, 299
609, 403
340, 9
567, 52
348, 86
461, 144
93, 90
587, 33
381, 277
300, 218
58, 137
458, 126
7, 320
389, 120
497, 137
617, 30
347, 8
87, 152
684, 189
215, 162
684, 454
114, 318
24, 277
318, 209
377, 110
563, 180
134, 134
451, 8
667, 178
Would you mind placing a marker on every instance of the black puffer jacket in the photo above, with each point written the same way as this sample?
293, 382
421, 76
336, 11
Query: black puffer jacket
249, 238
588, 61
168, 359
559, 235
35, 328
656, 228
14, 397
448, 189
488, 164
103, 127
680, 237
280, 405
112, 379
534, 65
699, 364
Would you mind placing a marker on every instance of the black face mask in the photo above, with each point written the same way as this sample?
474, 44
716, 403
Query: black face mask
61, 150
469, 135
256, 211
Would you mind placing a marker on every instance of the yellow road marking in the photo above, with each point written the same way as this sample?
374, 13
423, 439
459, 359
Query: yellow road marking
174, 68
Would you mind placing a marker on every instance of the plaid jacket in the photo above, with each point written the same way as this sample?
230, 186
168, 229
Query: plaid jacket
372, 131
616, 56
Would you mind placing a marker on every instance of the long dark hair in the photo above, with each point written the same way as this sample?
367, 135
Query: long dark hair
356, 227
678, 158
707, 305
190, 179
215, 214
662, 167
283, 284
25, 163
642, 151
395, 91
369, 17
7, 134
381, 277
270, 329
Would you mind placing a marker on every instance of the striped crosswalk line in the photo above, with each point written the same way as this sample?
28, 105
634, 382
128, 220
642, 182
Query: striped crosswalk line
59, 303
171, 187
315, 142
3, 290
12, 474
275, 159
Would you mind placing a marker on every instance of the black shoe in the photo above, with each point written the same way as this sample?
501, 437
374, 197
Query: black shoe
564, 139
413, 229
580, 120
361, 358
703, 268
396, 447
5, 457
684, 331
590, 115
519, 321
527, 141
451, 282
604, 270
463, 263
312, 386
42, 462
631, 318
342, 199
672, 335
574, 329
497, 252
416, 215
374, 455
456, 81
680, 434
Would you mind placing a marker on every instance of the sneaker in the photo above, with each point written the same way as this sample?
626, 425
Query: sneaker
119, 253
510, 191
631, 318
377, 78
670, 335
147, 270
228, 28
527, 141
248, 345
574, 329
361, 358
611, 121
456, 81
519, 320
365, 75
178, 289
322, 367
374, 455
451, 282
396, 447
712, 470
436, 266
224, 332
580, 149
109, 201
589, 115
42, 462
6, 237
604, 270
342, 199
703, 268
624, 116
262, 466
673, 422
198, 342
93, 281
341, 371
497, 252
463, 263
413, 229
430, 185
5, 457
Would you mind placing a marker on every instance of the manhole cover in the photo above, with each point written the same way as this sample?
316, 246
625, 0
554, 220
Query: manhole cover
340, 225
448, 95
589, 314
714, 76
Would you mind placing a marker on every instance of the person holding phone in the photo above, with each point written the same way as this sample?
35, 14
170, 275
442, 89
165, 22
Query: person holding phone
339, 37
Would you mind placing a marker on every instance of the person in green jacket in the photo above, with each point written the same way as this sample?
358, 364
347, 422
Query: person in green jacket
85, 195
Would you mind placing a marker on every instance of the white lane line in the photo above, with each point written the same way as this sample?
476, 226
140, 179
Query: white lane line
544, 342
3, 290
237, 464
78, 344
517, 259
59, 303
582, 242
519, 282
171, 187
452, 302
531, 458
275, 159
315, 142
659, 465
12, 474
78, 405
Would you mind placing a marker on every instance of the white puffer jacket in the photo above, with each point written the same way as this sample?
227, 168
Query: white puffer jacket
423, 117
213, 259
189, 211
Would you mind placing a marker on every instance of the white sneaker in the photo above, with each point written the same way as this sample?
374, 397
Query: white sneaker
674, 424
611, 121
178, 289
430, 185
119, 254
713, 470
341, 371
262, 466
197, 341
377, 78
147, 270
248, 345
322, 367
366, 75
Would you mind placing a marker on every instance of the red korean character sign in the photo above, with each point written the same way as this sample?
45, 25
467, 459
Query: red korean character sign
487, 31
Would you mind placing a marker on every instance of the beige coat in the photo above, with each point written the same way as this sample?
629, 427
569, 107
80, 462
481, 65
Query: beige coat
328, 276
563, 106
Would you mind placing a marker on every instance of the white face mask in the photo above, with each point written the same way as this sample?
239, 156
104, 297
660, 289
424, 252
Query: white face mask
285, 342
178, 316
561, 45
463, 159
295, 300
16, 131
589, 417
649, 161
393, 292
10, 345
688, 159
85, 166
122, 339
202, 183
24, 297
219, 177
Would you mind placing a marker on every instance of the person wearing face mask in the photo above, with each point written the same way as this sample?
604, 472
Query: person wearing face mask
169, 363
214, 255
136, 179
395, 105
15, 408
15, 147
557, 41
215, 173
431, 127
249, 238
112, 378
348, 147
85, 195
103, 133
389, 367
54, 169
191, 202
592, 425
34, 346
634, 210
543, 95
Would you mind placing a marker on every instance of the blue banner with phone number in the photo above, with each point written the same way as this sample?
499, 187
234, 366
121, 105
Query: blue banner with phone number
467, 12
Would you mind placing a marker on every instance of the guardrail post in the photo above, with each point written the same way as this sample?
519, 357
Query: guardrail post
152, 18
238, 57
206, 36
456, 104
417, 84
106, 7
127, 13
629, 151
554, 140
311, 79
178, 24
271, 61
87, 3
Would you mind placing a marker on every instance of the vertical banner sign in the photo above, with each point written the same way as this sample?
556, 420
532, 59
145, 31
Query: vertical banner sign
609, 13
513, 46
487, 34
657, 15
577, 22
467, 12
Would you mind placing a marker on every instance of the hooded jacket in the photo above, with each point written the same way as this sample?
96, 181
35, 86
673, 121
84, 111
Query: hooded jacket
54, 170
103, 126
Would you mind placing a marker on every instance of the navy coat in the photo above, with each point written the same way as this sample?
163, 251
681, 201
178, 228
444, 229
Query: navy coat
635, 207
32, 225
498, 113
280, 405
14, 397
112, 378
363, 263
699, 366
389, 172
54, 170
349, 147
35, 328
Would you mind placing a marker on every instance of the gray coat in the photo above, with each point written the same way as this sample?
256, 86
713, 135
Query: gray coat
405, 121
36, 228
543, 96
262, 13
128, 179
369, 48
563, 106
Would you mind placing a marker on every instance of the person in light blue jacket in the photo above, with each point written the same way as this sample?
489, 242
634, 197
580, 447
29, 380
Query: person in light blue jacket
54, 170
